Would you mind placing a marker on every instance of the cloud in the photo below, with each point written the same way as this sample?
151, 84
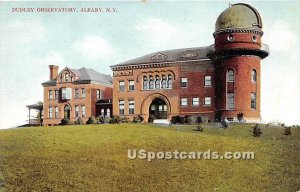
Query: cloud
93, 48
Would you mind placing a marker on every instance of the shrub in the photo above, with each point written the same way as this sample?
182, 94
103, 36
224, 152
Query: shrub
79, 121
287, 131
125, 120
199, 128
115, 119
150, 119
199, 119
91, 120
100, 119
256, 131
141, 118
175, 119
136, 120
65, 121
240, 117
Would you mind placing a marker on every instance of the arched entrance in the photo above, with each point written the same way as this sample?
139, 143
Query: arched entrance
67, 111
158, 109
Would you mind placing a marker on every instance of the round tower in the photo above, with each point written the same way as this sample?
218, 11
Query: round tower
238, 51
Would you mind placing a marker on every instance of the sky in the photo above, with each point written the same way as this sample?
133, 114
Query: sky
30, 41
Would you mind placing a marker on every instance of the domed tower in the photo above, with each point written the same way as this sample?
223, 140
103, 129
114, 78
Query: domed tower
237, 54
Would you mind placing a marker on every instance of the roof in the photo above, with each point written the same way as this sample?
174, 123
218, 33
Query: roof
86, 74
185, 54
239, 15
37, 106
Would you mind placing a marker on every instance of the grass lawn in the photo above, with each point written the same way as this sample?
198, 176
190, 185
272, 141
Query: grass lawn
94, 158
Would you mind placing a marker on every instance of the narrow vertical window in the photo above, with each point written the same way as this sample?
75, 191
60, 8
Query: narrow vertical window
145, 83
83, 93
56, 94
151, 82
131, 85
170, 82
121, 86
121, 107
50, 112
157, 82
108, 112
253, 100
99, 94
56, 112
131, 107
76, 111
253, 76
230, 101
230, 76
163, 82
50, 94
83, 111
76, 93
183, 82
207, 81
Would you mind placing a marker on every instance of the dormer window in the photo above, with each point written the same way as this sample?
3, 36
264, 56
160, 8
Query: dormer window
67, 78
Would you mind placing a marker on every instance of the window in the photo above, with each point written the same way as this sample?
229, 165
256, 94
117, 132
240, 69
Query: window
56, 94
83, 111
50, 95
164, 82
207, 81
108, 112
76, 111
76, 93
183, 82
254, 39
66, 93
207, 101
67, 77
253, 76
253, 100
131, 85
83, 93
157, 82
169, 83
99, 94
102, 112
131, 107
50, 112
230, 101
121, 107
121, 86
151, 82
183, 102
230, 38
56, 112
145, 83
230, 76
195, 101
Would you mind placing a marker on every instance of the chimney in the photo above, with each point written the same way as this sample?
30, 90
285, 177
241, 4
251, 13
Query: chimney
53, 71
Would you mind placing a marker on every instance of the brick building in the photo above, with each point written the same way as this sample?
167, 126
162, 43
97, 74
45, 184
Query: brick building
74, 93
216, 81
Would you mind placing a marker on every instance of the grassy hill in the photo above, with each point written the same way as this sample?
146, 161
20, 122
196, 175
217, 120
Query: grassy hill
94, 158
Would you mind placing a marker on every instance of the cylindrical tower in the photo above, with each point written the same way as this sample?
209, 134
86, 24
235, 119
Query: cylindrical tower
237, 54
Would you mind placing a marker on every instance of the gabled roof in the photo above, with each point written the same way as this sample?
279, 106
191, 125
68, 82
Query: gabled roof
86, 74
197, 53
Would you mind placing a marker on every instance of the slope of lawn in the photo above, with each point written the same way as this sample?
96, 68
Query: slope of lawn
94, 158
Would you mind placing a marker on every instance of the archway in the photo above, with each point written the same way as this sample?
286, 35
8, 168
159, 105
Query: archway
158, 109
67, 111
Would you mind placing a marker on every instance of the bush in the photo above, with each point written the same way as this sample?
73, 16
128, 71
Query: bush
91, 120
256, 131
65, 121
150, 119
100, 119
287, 131
125, 120
79, 121
136, 120
115, 119
199, 128
240, 117
141, 118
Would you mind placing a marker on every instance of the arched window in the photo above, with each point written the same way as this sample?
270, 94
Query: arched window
108, 112
151, 82
145, 83
102, 112
253, 76
164, 82
169, 84
230, 75
157, 82
67, 78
